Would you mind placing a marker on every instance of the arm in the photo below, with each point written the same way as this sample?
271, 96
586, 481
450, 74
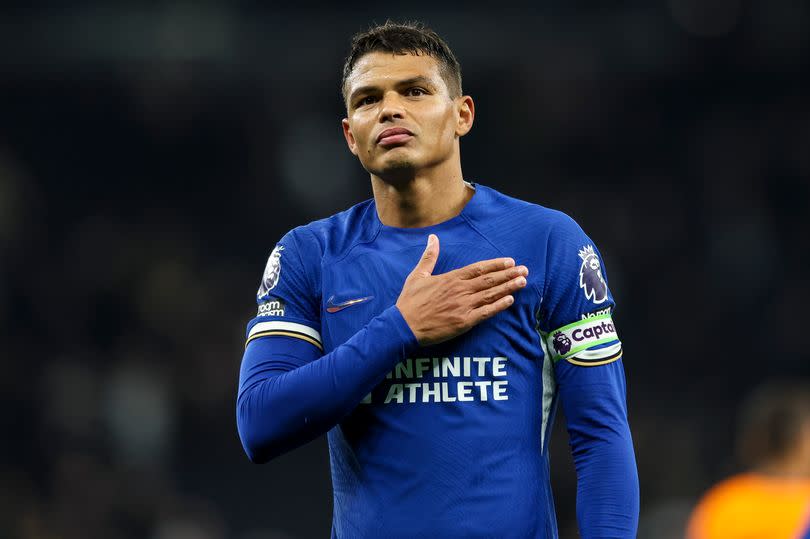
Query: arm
593, 400
288, 396
584, 345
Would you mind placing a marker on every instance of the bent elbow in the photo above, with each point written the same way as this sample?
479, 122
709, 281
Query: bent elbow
255, 455
268, 429
257, 442
253, 447
261, 451
262, 442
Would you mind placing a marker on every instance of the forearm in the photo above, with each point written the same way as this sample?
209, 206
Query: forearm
607, 480
607, 487
286, 402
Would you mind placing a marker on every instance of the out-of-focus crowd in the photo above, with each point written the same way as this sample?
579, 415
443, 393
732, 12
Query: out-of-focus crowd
150, 157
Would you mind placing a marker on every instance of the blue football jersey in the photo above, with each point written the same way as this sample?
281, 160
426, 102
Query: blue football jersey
453, 441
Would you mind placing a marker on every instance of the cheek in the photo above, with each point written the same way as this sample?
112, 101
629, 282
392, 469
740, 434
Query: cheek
444, 127
449, 120
360, 138
360, 130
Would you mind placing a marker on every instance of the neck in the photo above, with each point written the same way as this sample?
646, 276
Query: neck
422, 199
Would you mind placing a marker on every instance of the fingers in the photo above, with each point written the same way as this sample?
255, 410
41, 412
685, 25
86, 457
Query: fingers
491, 295
483, 267
488, 311
495, 278
427, 263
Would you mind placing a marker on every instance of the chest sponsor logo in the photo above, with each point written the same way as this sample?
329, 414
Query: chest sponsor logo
591, 280
459, 379
332, 307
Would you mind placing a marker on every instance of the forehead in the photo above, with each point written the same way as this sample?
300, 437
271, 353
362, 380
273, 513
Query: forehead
384, 68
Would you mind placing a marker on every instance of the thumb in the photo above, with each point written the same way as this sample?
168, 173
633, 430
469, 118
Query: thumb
424, 267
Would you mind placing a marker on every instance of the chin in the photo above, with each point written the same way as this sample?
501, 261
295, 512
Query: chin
395, 165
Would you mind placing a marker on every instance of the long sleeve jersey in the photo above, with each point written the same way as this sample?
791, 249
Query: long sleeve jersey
449, 440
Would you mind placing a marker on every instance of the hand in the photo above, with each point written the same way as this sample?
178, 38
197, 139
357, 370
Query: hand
440, 307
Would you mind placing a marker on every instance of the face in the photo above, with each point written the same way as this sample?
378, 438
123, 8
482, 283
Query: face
400, 116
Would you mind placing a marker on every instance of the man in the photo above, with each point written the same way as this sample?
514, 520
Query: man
772, 498
432, 330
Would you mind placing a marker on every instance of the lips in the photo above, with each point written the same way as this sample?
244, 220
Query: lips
393, 135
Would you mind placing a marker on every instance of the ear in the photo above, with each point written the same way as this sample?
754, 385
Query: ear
466, 115
347, 133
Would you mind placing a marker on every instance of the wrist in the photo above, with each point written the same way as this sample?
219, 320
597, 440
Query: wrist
401, 327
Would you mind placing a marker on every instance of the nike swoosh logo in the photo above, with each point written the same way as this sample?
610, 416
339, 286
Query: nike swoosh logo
335, 307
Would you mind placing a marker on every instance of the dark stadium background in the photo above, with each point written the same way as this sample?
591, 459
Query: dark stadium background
151, 153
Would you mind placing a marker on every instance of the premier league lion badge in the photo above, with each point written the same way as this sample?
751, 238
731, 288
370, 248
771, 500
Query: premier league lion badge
591, 280
271, 272
561, 343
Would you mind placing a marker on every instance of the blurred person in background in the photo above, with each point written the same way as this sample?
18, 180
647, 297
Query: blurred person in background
437, 384
771, 499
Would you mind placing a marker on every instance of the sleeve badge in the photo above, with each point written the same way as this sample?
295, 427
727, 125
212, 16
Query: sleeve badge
272, 272
591, 280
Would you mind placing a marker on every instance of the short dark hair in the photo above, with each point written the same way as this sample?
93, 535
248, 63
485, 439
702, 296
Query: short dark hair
771, 420
405, 38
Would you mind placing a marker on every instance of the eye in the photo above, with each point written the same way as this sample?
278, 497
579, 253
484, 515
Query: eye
363, 101
415, 91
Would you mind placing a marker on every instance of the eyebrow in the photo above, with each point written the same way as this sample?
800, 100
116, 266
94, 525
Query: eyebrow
419, 79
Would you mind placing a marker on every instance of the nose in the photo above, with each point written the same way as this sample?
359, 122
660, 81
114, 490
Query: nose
392, 107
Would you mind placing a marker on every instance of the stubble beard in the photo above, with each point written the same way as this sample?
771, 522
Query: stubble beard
397, 170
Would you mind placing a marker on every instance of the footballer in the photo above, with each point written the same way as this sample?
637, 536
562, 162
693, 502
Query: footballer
433, 330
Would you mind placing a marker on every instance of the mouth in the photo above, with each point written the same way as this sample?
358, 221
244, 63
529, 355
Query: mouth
394, 136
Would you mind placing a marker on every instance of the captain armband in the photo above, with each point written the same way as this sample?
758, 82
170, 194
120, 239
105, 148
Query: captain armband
588, 342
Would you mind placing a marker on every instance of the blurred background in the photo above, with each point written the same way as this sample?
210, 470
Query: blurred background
152, 153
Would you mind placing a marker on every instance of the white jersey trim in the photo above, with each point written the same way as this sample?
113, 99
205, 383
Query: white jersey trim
278, 325
600, 353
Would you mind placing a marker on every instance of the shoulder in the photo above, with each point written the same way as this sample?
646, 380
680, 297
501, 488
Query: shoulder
509, 216
334, 235
300, 253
